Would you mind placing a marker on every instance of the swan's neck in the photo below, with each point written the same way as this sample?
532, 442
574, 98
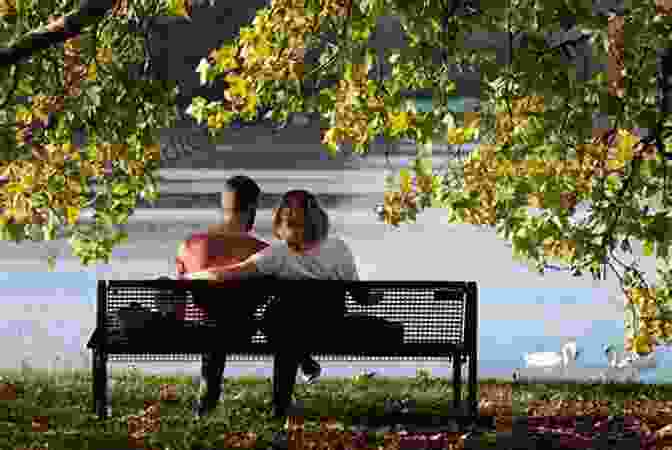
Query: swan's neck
568, 353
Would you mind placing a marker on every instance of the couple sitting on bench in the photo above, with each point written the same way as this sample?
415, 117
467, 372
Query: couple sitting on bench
229, 251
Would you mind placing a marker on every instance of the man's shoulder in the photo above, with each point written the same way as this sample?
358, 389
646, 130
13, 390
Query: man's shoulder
199, 240
195, 239
198, 236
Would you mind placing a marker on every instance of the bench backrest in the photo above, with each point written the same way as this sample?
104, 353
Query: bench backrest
431, 311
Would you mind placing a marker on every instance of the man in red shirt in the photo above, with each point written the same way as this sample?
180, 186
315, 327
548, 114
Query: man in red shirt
230, 241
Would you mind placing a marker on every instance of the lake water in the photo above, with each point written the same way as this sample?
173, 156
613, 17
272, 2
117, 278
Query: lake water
45, 315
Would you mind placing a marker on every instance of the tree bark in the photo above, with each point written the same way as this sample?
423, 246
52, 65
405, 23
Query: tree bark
89, 13
616, 58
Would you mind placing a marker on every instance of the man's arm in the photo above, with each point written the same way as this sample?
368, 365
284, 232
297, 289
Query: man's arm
192, 254
246, 269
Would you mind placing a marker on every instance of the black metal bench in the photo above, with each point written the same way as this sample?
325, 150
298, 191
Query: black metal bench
439, 321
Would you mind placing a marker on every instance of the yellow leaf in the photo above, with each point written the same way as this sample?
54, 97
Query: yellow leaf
405, 180
471, 119
615, 164
251, 103
331, 136
104, 55
42, 116
7, 8
399, 122
625, 145
225, 57
263, 50
179, 8
153, 152
238, 85
73, 214
260, 21
504, 168
246, 35
14, 188
296, 71
92, 72
642, 344
456, 136
24, 116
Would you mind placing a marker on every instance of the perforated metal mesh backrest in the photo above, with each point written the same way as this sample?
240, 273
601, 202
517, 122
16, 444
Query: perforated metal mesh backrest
434, 312
147, 295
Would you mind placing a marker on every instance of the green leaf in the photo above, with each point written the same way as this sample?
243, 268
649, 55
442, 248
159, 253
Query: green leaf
332, 149
24, 86
93, 93
56, 183
470, 133
405, 179
120, 189
648, 248
313, 7
393, 58
120, 237
51, 263
50, 229
39, 200
104, 217
197, 109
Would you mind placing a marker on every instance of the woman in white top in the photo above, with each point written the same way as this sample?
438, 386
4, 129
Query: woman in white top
303, 251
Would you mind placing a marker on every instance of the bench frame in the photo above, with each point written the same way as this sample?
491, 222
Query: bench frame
458, 352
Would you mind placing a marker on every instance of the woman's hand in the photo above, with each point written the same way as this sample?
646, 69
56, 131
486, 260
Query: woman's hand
222, 276
204, 275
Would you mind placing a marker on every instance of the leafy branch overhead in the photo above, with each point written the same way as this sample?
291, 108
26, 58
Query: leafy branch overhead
538, 156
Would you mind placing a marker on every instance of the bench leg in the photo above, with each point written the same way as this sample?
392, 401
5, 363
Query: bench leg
94, 377
100, 384
473, 386
457, 382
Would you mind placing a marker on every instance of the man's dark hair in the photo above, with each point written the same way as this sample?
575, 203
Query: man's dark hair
247, 197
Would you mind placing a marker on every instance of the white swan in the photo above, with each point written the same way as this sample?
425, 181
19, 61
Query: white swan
622, 360
564, 358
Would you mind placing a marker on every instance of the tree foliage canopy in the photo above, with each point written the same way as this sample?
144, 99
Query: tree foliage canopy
543, 159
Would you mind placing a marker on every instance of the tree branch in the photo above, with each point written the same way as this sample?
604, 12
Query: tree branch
64, 28
15, 83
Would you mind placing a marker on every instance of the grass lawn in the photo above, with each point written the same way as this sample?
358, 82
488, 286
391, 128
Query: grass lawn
54, 412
